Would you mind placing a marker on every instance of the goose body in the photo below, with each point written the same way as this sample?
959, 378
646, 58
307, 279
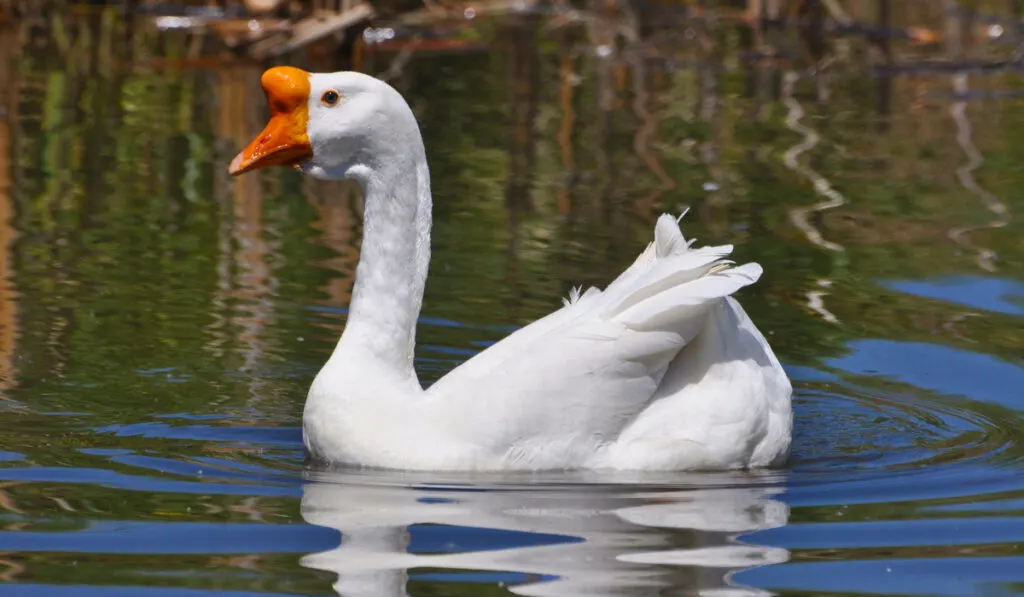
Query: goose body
661, 370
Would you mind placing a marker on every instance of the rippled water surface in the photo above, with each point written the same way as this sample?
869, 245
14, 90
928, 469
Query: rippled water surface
160, 322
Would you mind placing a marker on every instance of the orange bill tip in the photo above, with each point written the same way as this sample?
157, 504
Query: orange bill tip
284, 141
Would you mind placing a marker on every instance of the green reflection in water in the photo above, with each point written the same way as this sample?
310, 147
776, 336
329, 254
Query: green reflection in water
142, 281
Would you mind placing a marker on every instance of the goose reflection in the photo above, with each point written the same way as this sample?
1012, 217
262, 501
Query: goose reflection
542, 540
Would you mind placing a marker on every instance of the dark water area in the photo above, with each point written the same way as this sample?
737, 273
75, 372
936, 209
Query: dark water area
160, 322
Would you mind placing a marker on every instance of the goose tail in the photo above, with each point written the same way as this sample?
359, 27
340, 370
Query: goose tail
672, 283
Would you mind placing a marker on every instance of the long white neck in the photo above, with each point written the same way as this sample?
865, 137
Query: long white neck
393, 262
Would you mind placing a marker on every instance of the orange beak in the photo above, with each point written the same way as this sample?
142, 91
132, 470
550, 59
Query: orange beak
284, 141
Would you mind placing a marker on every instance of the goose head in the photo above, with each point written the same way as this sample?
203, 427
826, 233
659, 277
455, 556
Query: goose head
328, 124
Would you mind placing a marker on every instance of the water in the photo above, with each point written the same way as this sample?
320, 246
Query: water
160, 322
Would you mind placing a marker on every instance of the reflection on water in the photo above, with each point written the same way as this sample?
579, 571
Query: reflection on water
799, 216
577, 539
965, 174
8, 234
160, 322
833, 199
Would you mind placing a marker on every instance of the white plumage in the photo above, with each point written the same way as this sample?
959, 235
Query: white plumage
662, 370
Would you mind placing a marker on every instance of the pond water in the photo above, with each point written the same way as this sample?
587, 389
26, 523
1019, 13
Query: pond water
160, 322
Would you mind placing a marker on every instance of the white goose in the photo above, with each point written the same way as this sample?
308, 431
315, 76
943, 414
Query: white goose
663, 370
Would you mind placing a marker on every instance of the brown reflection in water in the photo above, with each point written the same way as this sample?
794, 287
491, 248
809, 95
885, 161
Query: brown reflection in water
709, 111
11, 570
566, 87
7, 502
250, 507
602, 31
523, 86
644, 107
243, 243
339, 219
520, 36
251, 562
8, 234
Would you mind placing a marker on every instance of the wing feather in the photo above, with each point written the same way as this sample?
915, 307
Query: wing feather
570, 382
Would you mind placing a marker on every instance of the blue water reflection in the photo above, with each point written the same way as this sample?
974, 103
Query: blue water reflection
997, 295
940, 369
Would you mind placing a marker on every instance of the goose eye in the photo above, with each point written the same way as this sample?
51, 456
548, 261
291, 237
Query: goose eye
329, 98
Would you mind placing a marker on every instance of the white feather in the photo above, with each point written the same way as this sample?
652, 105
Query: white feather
661, 370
